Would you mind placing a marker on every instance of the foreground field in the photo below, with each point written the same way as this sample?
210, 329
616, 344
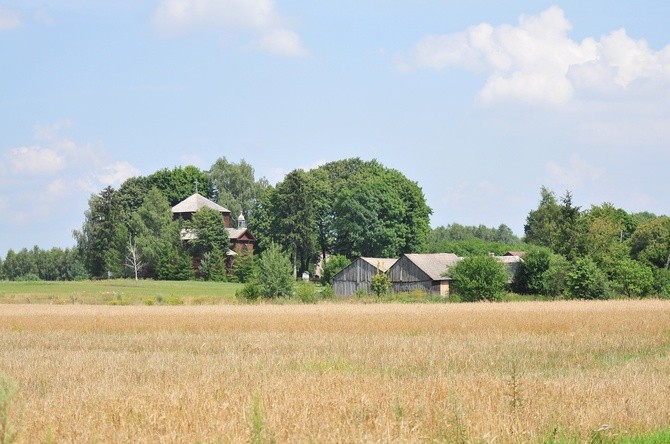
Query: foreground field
504, 373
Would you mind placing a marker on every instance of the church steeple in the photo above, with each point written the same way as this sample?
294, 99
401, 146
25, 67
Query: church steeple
241, 221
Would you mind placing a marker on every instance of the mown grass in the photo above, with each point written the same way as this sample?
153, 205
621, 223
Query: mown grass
527, 372
118, 292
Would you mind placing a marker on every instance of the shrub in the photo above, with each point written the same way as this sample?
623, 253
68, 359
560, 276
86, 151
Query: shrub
479, 278
306, 293
632, 278
333, 265
662, 282
327, 292
250, 292
586, 281
380, 283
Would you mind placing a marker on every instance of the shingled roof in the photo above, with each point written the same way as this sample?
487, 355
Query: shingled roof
195, 202
433, 264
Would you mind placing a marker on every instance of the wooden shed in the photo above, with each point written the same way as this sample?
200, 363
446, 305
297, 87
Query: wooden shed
357, 275
422, 272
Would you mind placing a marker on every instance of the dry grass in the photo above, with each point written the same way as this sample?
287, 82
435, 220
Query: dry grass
517, 372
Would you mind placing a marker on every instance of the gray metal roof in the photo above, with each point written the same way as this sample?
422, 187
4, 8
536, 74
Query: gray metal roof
434, 264
383, 263
195, 202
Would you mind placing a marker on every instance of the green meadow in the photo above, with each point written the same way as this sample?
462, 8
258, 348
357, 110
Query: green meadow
118, 292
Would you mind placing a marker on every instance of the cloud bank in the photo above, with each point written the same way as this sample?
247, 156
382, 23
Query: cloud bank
258, 17
37, 179
9, 19
537, 62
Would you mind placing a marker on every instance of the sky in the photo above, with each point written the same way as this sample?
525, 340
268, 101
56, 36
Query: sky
480, 104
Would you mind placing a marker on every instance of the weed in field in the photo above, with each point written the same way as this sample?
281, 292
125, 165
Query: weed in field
257, 426
306, 293
7, 392
174, 300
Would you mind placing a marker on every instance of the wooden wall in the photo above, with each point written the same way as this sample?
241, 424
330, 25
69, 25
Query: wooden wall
354, 277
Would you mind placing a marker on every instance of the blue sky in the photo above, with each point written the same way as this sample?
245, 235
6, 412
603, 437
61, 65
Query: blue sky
480, 104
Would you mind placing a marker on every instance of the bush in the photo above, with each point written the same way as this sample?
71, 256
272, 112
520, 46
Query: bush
250, 292
328, 292
306, 293
586, 281
632, 278
541, 272
333, 265
380, 283
479, 278
662, 282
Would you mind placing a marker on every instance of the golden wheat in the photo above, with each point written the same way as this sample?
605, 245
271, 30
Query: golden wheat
516, 372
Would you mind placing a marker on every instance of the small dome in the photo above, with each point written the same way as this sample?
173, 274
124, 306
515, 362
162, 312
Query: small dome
241, 221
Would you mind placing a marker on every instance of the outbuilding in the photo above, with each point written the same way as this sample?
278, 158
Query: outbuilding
357, 275
422, 272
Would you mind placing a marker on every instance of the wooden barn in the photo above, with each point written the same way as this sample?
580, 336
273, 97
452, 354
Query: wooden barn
357, 275
422, 272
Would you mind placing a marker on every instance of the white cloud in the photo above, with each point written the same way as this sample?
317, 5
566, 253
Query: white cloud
56, 172
35, 160
257, 16
283, 42
116, 173
575, 175
537, 62
182, 15
9, 19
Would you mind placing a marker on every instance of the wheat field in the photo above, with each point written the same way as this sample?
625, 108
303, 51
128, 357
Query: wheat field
495, 373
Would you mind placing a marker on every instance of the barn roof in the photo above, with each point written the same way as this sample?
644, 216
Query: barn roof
236, 233
515, 253
196, 202
383, 263
433, 264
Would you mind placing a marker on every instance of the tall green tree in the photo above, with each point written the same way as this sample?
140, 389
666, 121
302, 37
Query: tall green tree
349, 207
154, 229
650, 242
292, 218
236, 186
555, 225
209, 232
606, 229
541, 226
179, 183
97, 238
570, 240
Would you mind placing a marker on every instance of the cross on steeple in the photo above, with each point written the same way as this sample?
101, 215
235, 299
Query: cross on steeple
196, 186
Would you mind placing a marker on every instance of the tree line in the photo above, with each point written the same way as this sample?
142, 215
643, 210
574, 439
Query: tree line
574, 253
343, 210
349, 207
